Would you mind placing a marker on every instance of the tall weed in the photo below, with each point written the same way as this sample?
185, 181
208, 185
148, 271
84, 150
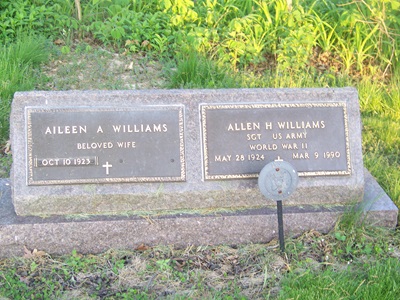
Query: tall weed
196, 71
17, 61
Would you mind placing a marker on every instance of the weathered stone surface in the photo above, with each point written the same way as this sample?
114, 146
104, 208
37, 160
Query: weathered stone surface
94, 234
195, 192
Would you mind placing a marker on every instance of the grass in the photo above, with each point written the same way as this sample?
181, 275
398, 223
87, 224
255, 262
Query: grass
381, 140
17, 63
366, 267
381, 132
194, 70
375, 280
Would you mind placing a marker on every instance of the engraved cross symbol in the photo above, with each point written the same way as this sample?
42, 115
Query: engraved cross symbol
107, 166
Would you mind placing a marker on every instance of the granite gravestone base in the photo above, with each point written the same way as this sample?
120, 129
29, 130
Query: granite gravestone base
189, 157
96, 234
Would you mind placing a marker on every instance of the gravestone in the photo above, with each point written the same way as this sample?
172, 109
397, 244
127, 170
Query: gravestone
189, 157
133, 151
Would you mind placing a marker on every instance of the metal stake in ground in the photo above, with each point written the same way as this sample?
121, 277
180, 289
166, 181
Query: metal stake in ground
277, 181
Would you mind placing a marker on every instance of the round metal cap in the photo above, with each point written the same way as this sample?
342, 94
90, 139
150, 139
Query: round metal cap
278, 180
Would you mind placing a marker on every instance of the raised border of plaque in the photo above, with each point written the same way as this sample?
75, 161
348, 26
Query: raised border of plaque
69, 164
228, 171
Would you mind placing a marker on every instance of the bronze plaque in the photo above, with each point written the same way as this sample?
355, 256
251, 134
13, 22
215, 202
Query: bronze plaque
238, 140
71, 145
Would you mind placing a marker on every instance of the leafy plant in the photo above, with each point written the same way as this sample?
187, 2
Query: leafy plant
42, 17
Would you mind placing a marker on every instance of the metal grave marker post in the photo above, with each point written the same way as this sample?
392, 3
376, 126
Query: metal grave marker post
277, 181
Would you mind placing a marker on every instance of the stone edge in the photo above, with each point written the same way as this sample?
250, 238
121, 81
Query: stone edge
58, 235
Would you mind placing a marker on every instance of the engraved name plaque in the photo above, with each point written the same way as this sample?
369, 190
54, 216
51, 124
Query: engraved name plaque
72, 145
238, 140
